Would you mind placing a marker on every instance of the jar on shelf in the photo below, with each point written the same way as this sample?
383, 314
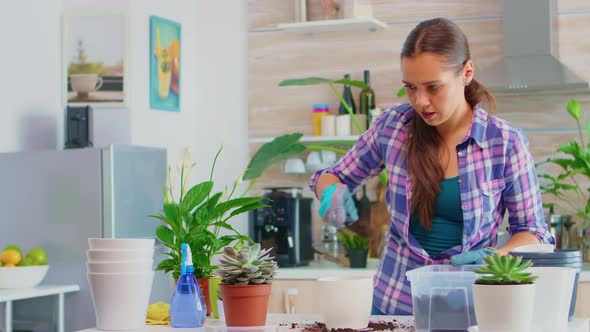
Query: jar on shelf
319, 111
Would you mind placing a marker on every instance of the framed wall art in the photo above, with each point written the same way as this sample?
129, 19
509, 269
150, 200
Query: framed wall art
94, 58
165, 64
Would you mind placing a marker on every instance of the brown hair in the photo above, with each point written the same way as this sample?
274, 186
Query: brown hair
441, 37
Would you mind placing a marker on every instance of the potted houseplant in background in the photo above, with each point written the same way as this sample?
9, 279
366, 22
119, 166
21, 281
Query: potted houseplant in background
246, 283
197, 218
504, 296
357, 248
570, 185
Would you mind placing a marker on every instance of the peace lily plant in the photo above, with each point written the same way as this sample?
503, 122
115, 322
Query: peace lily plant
197, 215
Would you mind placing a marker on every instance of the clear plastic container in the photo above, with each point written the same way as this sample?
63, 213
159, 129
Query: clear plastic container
442, 297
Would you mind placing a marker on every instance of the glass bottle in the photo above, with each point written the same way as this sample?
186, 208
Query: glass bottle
366, 101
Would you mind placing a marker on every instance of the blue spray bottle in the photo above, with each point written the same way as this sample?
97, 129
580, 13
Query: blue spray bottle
187, 308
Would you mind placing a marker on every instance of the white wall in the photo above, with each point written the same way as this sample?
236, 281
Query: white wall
213, 81
30, 83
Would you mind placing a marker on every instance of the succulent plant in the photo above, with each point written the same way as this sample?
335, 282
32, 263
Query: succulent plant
249, 265
505, 270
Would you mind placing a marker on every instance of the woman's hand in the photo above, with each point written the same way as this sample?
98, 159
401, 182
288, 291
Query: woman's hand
472, 257
337, 206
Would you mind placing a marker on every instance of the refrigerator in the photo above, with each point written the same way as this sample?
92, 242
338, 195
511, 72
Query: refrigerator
58, 199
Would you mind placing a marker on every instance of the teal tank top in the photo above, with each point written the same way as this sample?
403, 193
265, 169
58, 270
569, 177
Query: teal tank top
447, 224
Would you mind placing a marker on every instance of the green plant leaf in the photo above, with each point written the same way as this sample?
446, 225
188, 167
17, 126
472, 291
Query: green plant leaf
196, 195
171, 212
247, 208
280, 148
165, 235
167, 221
222, 208
168, 265
321, 80
401, 92
574, 108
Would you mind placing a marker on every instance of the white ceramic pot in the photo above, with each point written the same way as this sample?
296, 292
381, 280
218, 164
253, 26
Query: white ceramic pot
553, 293
117, 244
345, 302
95, 255
120, 299
506, 308
138, 266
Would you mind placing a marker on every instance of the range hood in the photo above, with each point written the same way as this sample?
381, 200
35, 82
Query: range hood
528, 67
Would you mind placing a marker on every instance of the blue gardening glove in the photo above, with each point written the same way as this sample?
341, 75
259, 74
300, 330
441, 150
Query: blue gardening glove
471, 257
337, 206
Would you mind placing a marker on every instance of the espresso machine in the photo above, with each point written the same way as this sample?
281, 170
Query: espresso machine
284, 226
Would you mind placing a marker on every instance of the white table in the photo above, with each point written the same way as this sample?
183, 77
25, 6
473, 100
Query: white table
10, 295
281, 323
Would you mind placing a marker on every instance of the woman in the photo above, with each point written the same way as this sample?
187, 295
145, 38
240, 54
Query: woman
453, 169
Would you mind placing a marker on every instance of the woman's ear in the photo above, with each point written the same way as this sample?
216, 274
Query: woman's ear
468, 72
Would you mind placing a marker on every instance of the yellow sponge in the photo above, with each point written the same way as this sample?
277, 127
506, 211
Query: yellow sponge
158, 314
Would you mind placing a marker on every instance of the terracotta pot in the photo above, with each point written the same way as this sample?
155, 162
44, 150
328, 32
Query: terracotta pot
204, 284
245, 305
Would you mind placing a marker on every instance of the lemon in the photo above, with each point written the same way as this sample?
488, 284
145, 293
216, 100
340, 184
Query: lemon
9, 265
10, 257
15, 247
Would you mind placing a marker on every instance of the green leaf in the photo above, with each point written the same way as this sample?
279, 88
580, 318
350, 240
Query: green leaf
247, 208
401, 92
280, 148
167, 221
344, 81
222, 208
165, 235
574, 108
196, 195
168, 265
171, 212
321, 80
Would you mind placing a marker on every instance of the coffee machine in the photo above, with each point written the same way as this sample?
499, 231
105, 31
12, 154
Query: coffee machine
284, 226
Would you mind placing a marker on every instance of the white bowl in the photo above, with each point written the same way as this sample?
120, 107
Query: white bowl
22, 276
120, 299
345, 302
126, 244
95, 255
120, 267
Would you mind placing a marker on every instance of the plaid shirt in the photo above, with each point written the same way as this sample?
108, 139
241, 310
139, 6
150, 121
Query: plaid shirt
496, 173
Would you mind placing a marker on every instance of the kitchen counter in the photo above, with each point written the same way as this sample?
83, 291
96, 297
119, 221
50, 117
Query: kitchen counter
300, 323
323, 269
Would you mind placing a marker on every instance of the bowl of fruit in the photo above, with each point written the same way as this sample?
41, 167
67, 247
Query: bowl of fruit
22, 271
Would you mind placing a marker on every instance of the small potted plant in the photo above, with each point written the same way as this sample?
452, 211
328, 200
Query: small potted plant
246, 283
504, 296
357, 248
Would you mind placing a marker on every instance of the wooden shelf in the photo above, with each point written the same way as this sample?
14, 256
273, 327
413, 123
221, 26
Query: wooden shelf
305, 139
345, 24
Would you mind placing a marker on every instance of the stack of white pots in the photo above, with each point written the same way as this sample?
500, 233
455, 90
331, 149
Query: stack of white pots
120, 275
